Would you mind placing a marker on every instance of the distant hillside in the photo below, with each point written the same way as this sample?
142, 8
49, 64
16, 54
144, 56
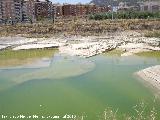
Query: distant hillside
116, 2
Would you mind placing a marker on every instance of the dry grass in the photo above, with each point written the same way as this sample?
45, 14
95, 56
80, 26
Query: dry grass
141, 112
78, 27
155, 33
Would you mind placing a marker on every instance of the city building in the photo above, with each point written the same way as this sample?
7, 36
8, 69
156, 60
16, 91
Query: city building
57, 10
14, 11
124, 6
103, 9
1, 13
28, 11
43, 9
152, 6
11, 10
82, 10
69, 10
91, 9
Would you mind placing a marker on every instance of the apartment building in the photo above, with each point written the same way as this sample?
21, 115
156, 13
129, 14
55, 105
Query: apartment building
1, 13
13, 11
43, 9
10, 10
91, 9
28, 10
82, 10
69, 10
103, 9
57, 10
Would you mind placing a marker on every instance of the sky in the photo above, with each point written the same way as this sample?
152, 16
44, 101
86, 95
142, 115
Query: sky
71, 1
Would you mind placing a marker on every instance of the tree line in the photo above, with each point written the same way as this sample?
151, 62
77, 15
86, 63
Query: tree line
125, 15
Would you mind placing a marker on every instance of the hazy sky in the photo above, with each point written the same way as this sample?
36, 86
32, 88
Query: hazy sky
71, 1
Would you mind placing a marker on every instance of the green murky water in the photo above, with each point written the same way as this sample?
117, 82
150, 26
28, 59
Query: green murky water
71, 85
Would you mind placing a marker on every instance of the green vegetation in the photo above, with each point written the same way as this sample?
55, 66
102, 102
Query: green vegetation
12, 58
152, 34
115, 52
155, 54
125, 15
23, 54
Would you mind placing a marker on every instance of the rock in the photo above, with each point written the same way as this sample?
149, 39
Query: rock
151, 75
130, 41
3, 47
87, 49
35, 46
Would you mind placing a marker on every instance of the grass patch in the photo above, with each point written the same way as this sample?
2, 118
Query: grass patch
115, 52
20, 57
23, 54
155, 54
